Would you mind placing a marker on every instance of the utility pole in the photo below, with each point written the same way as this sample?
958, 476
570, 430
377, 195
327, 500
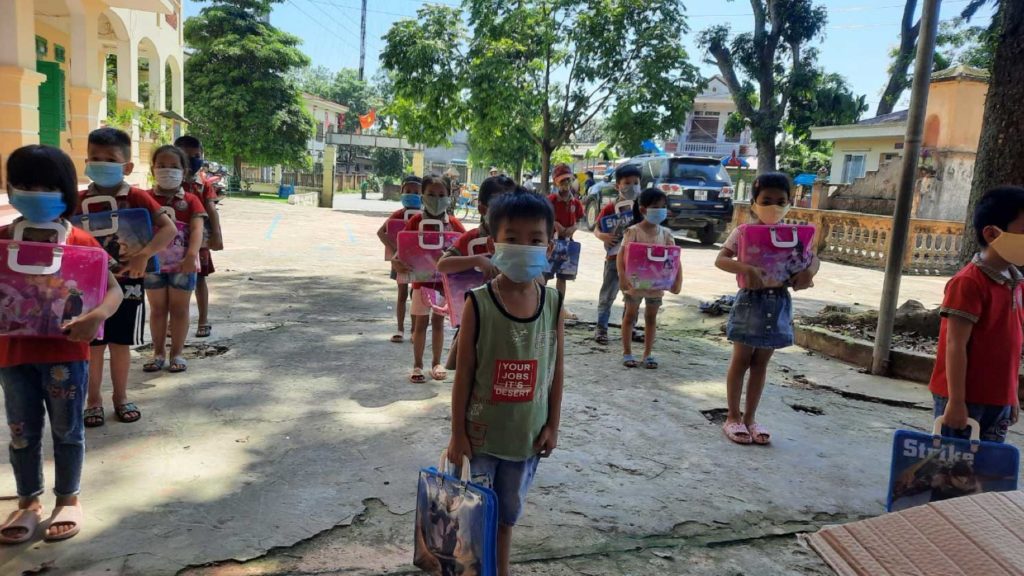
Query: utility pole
362, 43
905, 197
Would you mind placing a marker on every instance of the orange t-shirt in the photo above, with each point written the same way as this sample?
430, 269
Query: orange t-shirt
17, 350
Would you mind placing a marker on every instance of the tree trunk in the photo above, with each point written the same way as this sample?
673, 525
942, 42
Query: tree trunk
905, 54
1000, 159
237, 165
766, 153
545, 168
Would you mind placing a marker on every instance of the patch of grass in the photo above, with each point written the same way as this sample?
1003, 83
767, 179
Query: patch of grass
263, 197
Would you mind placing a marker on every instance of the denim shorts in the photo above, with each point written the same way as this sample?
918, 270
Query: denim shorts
994, 420
652, 301
178, 280
509, 479
762, 318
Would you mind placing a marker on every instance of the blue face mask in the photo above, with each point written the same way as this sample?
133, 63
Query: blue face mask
520, 263
105, 174
656, 215
435, 205
411, 201
195, 165
38, 206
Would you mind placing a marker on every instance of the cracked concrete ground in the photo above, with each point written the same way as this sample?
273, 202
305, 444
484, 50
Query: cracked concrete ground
294, 447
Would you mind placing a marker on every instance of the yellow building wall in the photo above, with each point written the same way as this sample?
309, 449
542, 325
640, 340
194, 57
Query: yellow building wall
872, 148
954, 116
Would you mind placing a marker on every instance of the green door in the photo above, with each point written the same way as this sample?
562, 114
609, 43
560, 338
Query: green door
51, 103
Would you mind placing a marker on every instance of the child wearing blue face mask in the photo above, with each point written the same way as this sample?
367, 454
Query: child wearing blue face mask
410, 202
507, 398
649, 211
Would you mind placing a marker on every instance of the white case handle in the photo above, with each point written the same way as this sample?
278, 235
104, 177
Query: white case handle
971, 423
58, 227
444, 466
653, 258
93, 200
37, 270
440, 233
784, 243
410, 213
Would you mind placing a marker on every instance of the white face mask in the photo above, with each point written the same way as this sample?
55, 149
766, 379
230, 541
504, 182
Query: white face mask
770, 214
169, 178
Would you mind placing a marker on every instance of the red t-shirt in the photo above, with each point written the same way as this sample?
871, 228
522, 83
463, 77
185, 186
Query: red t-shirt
450, 224
993, 304
17, 350
185, 206
567, 212
126, 197
204, 190
462, 248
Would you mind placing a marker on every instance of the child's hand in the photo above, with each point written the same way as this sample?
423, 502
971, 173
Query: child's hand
1015, 412
754, 277
188, 265
137, 266
677, 287
569, 232
803, 280
955, 415
625, 285
546, 441
83, 328
458, 447
488, 268
216, 242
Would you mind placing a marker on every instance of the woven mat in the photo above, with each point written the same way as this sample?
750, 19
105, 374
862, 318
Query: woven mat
975, 535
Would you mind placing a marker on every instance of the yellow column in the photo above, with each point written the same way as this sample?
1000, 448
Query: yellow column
19, 81
85, 94
418, 162
327, 193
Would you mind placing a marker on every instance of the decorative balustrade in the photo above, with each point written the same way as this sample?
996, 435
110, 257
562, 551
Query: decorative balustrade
863, 239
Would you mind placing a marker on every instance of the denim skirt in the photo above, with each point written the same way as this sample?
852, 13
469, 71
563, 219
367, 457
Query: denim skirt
762, 318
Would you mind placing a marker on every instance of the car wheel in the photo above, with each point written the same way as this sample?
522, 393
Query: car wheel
708, 235
591, 213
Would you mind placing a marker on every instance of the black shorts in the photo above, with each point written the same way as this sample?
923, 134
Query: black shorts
127, 326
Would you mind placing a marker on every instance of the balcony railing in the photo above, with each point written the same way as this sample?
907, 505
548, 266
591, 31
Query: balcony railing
718, 148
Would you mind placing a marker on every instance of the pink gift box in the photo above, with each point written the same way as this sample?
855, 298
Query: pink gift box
393, 227
652, 266
780, 250
421, 250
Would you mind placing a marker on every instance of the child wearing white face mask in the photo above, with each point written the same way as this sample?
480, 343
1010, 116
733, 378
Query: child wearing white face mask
761, 320
627, 182
170, 291
109, 155
649, 211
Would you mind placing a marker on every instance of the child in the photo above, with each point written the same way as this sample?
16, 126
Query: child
761, 319
980, 333
507, 398
169, 293
649, 211
568, 212
627, 182
435, 207
197, 185
48, 376
459, 258
410, 201
109, 151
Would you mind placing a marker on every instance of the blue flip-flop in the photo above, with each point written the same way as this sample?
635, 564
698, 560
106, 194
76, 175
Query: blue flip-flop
629, 361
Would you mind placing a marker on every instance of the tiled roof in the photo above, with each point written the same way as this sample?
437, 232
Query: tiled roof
899, 116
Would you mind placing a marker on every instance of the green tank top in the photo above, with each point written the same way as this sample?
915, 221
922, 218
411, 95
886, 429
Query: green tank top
515, 366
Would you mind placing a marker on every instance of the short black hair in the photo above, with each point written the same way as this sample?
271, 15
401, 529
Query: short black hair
35, 166
412, 179
188, 141
623, 172
645, 199
998, 207
776, 180
494, 185
171, 149
521, 204
112, 137
431, 179
590, 173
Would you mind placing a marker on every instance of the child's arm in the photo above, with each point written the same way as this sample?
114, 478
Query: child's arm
727, 262
958, 333
465, 371
547, 441
85, 327
805, 278
162, 238
620, 264
195, 240
216, 239
449, 264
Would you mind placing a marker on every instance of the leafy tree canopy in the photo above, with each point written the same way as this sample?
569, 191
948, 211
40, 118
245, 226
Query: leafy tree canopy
343, 87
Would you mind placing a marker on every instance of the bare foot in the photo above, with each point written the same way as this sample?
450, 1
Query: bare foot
65, 523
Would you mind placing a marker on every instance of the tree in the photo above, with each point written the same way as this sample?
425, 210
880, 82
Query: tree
961, 43
239, 98
539, 70
902, 57
1000, 157
824, 100
389, 163
775, 56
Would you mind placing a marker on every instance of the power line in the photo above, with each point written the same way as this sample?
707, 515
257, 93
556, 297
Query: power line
333, 33
335, 20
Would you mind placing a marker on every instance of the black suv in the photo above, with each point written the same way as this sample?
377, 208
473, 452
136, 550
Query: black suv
699, 192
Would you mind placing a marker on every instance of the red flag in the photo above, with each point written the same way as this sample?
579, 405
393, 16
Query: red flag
367, 120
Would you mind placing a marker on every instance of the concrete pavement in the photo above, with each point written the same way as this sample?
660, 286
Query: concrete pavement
293, 447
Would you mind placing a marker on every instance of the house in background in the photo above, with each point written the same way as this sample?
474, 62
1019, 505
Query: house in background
865, 154
329, 117
704, 131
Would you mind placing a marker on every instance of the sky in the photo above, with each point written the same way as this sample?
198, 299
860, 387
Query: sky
858, 37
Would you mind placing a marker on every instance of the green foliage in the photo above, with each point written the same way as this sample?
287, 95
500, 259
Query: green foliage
390, 163
960, 43
823, 100
534, 72
343, 87
121, 119
797, 157
239, 97
561, 156
152, 127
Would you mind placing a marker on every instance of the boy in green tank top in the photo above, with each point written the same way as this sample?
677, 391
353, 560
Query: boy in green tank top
507, 398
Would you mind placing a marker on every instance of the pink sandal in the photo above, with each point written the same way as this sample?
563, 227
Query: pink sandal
736, 432
759, 434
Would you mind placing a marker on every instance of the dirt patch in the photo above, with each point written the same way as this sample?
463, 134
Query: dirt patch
716, 415
192, 351
915, 327
812, 410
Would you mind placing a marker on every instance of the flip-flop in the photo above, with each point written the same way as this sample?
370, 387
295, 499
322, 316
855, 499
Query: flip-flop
204, 330
154, 365
759, 434
123, 411
438, 373
629, 361
736, 432
21, 518
398, 338
178, 364
650, 363
93, 417
601, 337
65, 515
417, 376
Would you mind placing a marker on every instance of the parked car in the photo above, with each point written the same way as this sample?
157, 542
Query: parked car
699, 192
